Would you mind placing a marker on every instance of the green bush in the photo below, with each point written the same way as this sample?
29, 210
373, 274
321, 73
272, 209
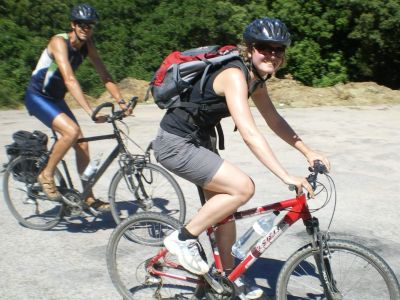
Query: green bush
333, 41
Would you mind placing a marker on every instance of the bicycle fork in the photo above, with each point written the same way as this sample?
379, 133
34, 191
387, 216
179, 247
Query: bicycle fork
136, 172
319, 242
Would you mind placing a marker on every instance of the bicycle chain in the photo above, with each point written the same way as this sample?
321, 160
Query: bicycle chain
228, 289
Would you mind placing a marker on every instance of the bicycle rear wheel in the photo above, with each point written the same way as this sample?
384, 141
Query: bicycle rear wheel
145, 188
24, 196
356, 272
132, 244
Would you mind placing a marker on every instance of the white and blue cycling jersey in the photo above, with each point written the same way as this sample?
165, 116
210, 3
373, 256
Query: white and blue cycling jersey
45, 94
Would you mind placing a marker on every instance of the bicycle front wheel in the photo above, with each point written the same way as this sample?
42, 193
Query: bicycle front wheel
24, 196
355, 272
145, 188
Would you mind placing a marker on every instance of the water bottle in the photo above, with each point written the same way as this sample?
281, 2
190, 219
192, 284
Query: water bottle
92, 167
252, 235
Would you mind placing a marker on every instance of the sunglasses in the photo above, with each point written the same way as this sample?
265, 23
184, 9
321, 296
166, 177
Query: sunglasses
86, 26
269, 49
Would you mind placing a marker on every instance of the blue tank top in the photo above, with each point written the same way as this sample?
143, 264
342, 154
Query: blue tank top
46, 79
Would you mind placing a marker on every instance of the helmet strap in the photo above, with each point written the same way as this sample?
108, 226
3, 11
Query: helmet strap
259, 77
258, 82
77, 36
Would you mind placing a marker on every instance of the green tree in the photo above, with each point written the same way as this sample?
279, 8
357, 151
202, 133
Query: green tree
375, 37
333, 40
15, 60
313, 58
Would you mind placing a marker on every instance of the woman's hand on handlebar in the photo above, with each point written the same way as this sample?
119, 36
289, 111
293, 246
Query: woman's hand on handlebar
101, 119
127, 108
299, 183
313, 157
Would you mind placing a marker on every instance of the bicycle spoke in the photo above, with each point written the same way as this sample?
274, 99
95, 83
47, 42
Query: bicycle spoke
133, 243
152, 189
355, 273
24, 197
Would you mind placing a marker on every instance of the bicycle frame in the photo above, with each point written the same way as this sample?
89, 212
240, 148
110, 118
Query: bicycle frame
119, 148
298, 209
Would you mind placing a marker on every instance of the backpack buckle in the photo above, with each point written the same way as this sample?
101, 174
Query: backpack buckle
203, 107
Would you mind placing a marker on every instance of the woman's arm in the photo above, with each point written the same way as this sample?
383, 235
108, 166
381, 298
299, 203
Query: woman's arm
104, 74
279, 125
232, 84
58, 49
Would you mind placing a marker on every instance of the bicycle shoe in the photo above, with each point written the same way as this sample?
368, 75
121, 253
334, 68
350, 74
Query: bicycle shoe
98, 205
49, 188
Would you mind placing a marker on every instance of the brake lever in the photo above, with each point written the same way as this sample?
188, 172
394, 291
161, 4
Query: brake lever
119, 115
318, 167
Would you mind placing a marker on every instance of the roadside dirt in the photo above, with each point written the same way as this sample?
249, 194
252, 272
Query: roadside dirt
288, 93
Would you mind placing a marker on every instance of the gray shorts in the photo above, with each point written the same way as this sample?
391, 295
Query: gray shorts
185, 159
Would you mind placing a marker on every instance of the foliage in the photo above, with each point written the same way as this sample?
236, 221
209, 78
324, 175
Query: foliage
333, 41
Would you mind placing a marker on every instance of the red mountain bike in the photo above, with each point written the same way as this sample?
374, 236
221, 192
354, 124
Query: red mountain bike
323, 269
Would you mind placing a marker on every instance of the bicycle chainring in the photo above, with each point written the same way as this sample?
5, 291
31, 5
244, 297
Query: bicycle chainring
72, 198
228, 286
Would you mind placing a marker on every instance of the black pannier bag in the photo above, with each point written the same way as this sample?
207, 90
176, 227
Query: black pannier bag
29, 144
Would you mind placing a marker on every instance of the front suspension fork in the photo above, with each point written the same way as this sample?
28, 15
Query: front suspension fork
319, 242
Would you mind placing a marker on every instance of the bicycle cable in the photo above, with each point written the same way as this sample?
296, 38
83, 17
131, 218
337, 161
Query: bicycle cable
127, 136
320, 188
333, 187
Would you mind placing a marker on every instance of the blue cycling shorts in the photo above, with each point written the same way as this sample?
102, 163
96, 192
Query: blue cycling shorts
46, 109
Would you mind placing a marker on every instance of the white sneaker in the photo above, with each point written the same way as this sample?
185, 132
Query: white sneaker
248, 289
187, 252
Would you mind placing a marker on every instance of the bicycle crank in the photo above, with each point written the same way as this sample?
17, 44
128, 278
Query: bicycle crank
72, 199
228, 289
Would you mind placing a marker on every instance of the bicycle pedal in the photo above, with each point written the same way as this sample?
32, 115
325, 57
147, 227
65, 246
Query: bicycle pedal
242, 297
94, 212
29, 201
216, 286
152, 279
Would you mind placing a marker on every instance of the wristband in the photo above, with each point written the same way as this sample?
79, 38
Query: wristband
122, 101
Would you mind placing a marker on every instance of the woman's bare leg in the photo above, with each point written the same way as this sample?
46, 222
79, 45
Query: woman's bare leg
229, 189
69, 132
81, 154
82, 160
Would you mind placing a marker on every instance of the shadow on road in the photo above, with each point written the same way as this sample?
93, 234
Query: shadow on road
87, 224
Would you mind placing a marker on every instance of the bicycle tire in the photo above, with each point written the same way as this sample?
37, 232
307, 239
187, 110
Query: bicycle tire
126, 258
24, 197
165, 194
358, 272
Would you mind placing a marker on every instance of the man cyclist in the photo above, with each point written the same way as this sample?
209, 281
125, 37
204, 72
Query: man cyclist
225, 186
51, 79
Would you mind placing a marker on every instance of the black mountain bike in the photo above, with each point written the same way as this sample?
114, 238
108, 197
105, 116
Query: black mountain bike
138, 185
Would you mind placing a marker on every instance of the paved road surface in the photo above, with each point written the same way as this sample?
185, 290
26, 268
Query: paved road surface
363, 143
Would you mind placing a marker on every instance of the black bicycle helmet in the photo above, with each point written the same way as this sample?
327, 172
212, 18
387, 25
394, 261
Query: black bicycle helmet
267, 30
84, 13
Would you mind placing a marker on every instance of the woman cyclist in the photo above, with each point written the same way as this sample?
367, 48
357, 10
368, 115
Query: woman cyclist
51, 79
225, 186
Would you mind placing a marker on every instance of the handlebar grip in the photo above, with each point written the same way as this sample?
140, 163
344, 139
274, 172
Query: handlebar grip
100, 107
319, 167
133, 102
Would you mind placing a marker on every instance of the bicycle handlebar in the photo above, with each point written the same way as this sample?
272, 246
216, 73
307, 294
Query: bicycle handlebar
115, 115
100, 107
318, 168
